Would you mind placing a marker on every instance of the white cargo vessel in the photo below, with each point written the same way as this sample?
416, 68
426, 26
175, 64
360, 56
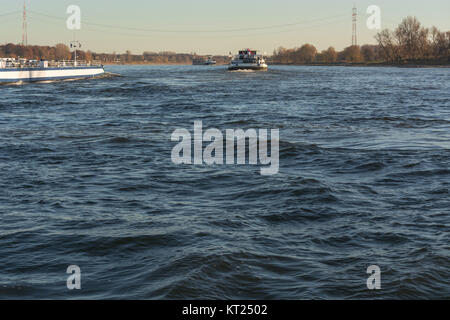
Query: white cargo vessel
23, 70
204, 62
248, 60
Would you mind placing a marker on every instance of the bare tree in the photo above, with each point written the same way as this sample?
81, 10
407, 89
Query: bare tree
411, 38
352, 54
388, 45
306, 54
440, 44
62, 52
331, 55
368, 53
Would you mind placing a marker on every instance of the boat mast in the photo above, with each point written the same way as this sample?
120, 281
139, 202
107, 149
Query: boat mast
75, 44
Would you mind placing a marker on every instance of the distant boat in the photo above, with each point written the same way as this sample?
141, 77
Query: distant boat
24, 70
248, 60
204, 62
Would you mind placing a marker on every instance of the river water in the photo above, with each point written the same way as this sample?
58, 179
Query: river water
87, 179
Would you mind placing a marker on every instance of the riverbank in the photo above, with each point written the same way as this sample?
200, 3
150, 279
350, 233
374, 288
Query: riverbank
369, 64
336, 64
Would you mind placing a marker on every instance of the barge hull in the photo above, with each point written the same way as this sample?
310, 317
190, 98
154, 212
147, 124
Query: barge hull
254, 68
47, 74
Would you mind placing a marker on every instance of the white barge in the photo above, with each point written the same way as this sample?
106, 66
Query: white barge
23, 70
248, 60
204, 62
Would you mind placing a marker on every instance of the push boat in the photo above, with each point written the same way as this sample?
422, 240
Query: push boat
24, 70
248, 60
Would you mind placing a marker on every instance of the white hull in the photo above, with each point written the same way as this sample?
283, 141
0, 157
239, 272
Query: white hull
208, 62
247, 66
46, 74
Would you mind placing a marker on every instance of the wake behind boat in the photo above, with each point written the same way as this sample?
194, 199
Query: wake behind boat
23, 70
248, 60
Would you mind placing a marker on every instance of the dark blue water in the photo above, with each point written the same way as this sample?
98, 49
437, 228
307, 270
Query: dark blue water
87, 179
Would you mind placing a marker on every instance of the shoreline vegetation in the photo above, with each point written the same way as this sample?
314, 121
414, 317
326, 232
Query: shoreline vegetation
409, 45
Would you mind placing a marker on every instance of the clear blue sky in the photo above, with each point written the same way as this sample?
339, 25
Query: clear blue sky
209, 26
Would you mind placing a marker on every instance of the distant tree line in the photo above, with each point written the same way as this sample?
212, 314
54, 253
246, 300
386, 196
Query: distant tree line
63, 52
58, 52
410, 42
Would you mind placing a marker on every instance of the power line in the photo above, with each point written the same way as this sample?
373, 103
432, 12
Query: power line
8, 19
216, 36
194, 31
9, 13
